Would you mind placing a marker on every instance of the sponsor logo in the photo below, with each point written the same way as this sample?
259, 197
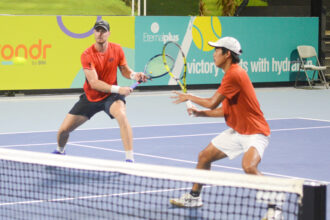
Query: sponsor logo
157, 36
202, 67
72, 34
12, 54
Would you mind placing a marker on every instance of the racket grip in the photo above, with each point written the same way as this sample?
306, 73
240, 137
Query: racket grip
135, 85
189, 104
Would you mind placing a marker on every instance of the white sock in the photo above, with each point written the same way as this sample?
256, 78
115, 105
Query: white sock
129, 155
60, 149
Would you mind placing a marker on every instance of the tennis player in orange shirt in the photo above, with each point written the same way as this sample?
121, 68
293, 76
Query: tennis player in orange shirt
248, 131
101, 92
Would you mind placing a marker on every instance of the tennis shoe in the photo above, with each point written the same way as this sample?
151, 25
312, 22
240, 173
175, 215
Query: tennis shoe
187, 200
58, 152
129, 161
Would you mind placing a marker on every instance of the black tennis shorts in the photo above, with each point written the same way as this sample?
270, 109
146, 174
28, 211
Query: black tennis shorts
87, 108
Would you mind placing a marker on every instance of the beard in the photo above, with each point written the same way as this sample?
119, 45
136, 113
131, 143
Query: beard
100, 40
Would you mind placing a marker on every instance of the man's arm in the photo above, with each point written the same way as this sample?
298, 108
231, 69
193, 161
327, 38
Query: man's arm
102, 86
130, 74
210, 103
217, 112
126, 71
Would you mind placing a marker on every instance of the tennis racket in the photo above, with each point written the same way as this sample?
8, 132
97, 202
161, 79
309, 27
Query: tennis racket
177, 72
155, 68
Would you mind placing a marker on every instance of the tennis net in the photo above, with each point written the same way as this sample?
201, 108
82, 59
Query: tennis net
45, 186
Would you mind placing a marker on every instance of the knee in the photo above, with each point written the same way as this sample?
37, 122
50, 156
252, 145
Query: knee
63, 132
202, 157
118, 110
121, 118
249, 169
118, 113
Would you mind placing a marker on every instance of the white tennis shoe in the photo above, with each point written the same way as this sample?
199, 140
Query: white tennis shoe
187, 200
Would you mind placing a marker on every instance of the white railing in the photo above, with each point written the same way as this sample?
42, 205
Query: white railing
139, 7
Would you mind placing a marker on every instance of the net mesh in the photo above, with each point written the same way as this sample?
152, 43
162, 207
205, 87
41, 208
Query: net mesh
45, 186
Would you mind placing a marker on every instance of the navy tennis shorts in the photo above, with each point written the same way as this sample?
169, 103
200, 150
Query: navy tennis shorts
87, 108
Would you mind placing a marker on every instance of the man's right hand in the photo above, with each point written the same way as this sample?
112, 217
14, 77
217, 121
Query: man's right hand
125, 91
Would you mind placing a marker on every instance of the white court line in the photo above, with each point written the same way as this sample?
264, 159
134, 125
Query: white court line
155, 137
141, 126
104, 128
93, 196
314, 119
296, 129
194, 162
75, 96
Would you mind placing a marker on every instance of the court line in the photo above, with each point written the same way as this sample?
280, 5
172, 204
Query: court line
194, 162
93, 196
137, 93
314, 119
303, 128
155, 137
144, 126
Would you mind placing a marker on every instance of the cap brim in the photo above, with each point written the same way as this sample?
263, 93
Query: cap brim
101, 26
213, 44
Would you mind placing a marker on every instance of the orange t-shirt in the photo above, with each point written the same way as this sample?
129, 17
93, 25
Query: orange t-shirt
105, 65
241, 107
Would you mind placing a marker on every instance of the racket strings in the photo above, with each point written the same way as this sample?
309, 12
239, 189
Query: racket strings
155, 67
172, 50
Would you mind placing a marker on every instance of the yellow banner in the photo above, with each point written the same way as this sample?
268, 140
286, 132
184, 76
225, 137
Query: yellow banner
43, 52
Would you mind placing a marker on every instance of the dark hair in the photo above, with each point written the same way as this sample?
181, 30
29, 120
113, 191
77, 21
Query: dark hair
234, 56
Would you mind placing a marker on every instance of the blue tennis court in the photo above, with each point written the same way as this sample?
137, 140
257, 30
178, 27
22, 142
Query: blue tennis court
299, 146
292, 150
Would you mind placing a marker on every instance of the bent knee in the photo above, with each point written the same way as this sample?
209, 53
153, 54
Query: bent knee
120, 116
118, 109
63, 131
250, 169
203, 157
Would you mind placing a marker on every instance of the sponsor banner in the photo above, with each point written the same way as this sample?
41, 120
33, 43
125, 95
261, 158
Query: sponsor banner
43, 52
269, 44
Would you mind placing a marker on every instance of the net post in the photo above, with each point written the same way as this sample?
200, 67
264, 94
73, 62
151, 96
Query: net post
313, 202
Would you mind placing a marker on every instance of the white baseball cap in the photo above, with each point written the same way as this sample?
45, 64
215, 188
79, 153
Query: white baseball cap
229, 43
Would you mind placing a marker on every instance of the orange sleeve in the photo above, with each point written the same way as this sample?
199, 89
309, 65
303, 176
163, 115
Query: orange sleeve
229, 87
86, 61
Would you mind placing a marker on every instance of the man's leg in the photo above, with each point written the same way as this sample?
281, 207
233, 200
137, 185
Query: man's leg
205, 158
250, 161
118, 111
70, 123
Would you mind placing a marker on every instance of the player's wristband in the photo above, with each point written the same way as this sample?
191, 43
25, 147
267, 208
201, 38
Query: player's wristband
114, 89
133, 74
